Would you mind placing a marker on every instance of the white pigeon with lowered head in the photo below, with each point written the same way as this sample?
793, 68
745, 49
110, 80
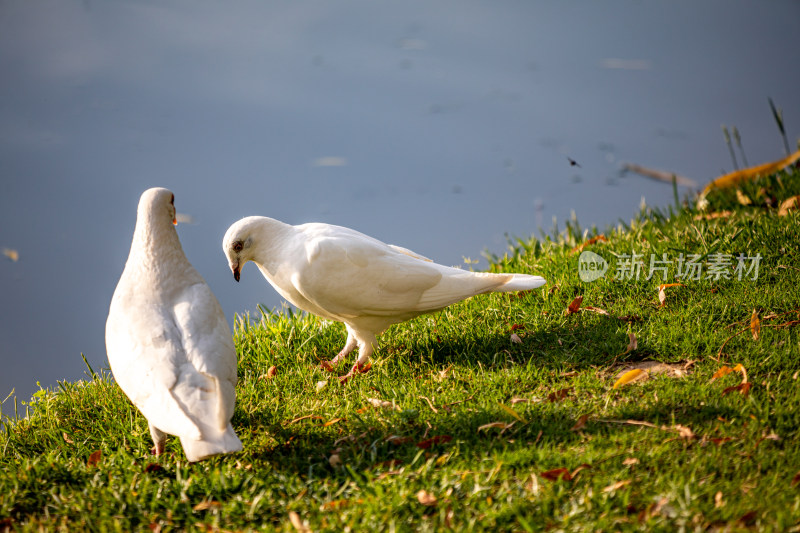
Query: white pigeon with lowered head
168, 343
343, 275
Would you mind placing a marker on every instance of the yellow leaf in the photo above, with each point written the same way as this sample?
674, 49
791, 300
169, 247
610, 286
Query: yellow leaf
627, 377
205, 505
743, 198
739, 368
616, 486
728, 180
426, 498
512, 412
790, 204
755, 325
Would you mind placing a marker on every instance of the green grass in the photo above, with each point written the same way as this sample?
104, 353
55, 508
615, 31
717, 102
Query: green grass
349, 465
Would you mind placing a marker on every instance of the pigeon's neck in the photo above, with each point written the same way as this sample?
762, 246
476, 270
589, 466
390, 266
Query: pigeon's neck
272, 238
156, 246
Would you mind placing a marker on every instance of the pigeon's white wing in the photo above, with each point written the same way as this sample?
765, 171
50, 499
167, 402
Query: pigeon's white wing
350, 274
150, 368
209, 348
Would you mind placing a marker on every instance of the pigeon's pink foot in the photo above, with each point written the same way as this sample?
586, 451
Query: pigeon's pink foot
357, 369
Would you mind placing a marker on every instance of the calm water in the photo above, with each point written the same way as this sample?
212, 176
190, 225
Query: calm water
438, 126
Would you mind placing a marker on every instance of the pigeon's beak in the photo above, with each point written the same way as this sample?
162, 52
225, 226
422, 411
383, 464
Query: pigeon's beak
235, 270
174, 221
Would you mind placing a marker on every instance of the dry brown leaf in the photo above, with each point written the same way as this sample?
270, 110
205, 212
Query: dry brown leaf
580, 423
743, 388
630, 376
501, 425
596, 310
618, 485
559, 395
662, 294
575, 305
94, 459
632, 344
272, 371
438, 439
630, 461
796, 479
556, 474
297, 522
755, 325
593, 240
335, 460
66, 438
426, 498
790, 204
383, 404
205, 505
515, 339
524, 400
716, 214
742, 198
718, 501
684, 432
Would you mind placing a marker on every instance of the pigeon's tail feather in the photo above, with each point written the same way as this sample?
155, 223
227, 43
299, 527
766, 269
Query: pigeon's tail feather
223, 442
521, 282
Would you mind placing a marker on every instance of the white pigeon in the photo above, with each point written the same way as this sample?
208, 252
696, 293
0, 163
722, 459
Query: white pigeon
168, 343
343, 275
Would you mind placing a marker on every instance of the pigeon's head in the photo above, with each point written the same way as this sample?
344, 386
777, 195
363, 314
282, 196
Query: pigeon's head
157, 204
238, 244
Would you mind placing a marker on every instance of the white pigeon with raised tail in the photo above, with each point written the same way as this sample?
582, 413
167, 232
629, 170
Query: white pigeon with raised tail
343, 275
168, 343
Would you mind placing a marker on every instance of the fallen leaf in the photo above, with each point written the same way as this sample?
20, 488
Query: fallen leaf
397, 439
732, 178
796, 479
575, 305
556, 474
743, 388
739, 368
335, 460
515, 339
790, 204
662, 294
629, 376
580, 423
748, 518
298, 524
559, 395
684, 432
153, 467
593, 240
321, 385
711, 216
512, 412
718, 501
383, 404
596, 310
11, 254
719, 441
272, 371
516, 400
630, 461
426, 498
438, 439
616, 486
94, 459
305, 417
66, 438
205, 505
755, 325
332, 422
742, 198
501, 425
517, 326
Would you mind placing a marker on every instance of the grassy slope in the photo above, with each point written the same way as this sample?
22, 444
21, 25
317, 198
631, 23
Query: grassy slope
355, 465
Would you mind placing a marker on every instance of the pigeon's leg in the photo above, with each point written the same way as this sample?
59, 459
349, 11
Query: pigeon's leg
366, 347
349, 346
159, 439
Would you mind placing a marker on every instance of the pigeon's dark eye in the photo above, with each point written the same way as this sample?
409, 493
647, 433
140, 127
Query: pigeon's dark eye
237, 246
